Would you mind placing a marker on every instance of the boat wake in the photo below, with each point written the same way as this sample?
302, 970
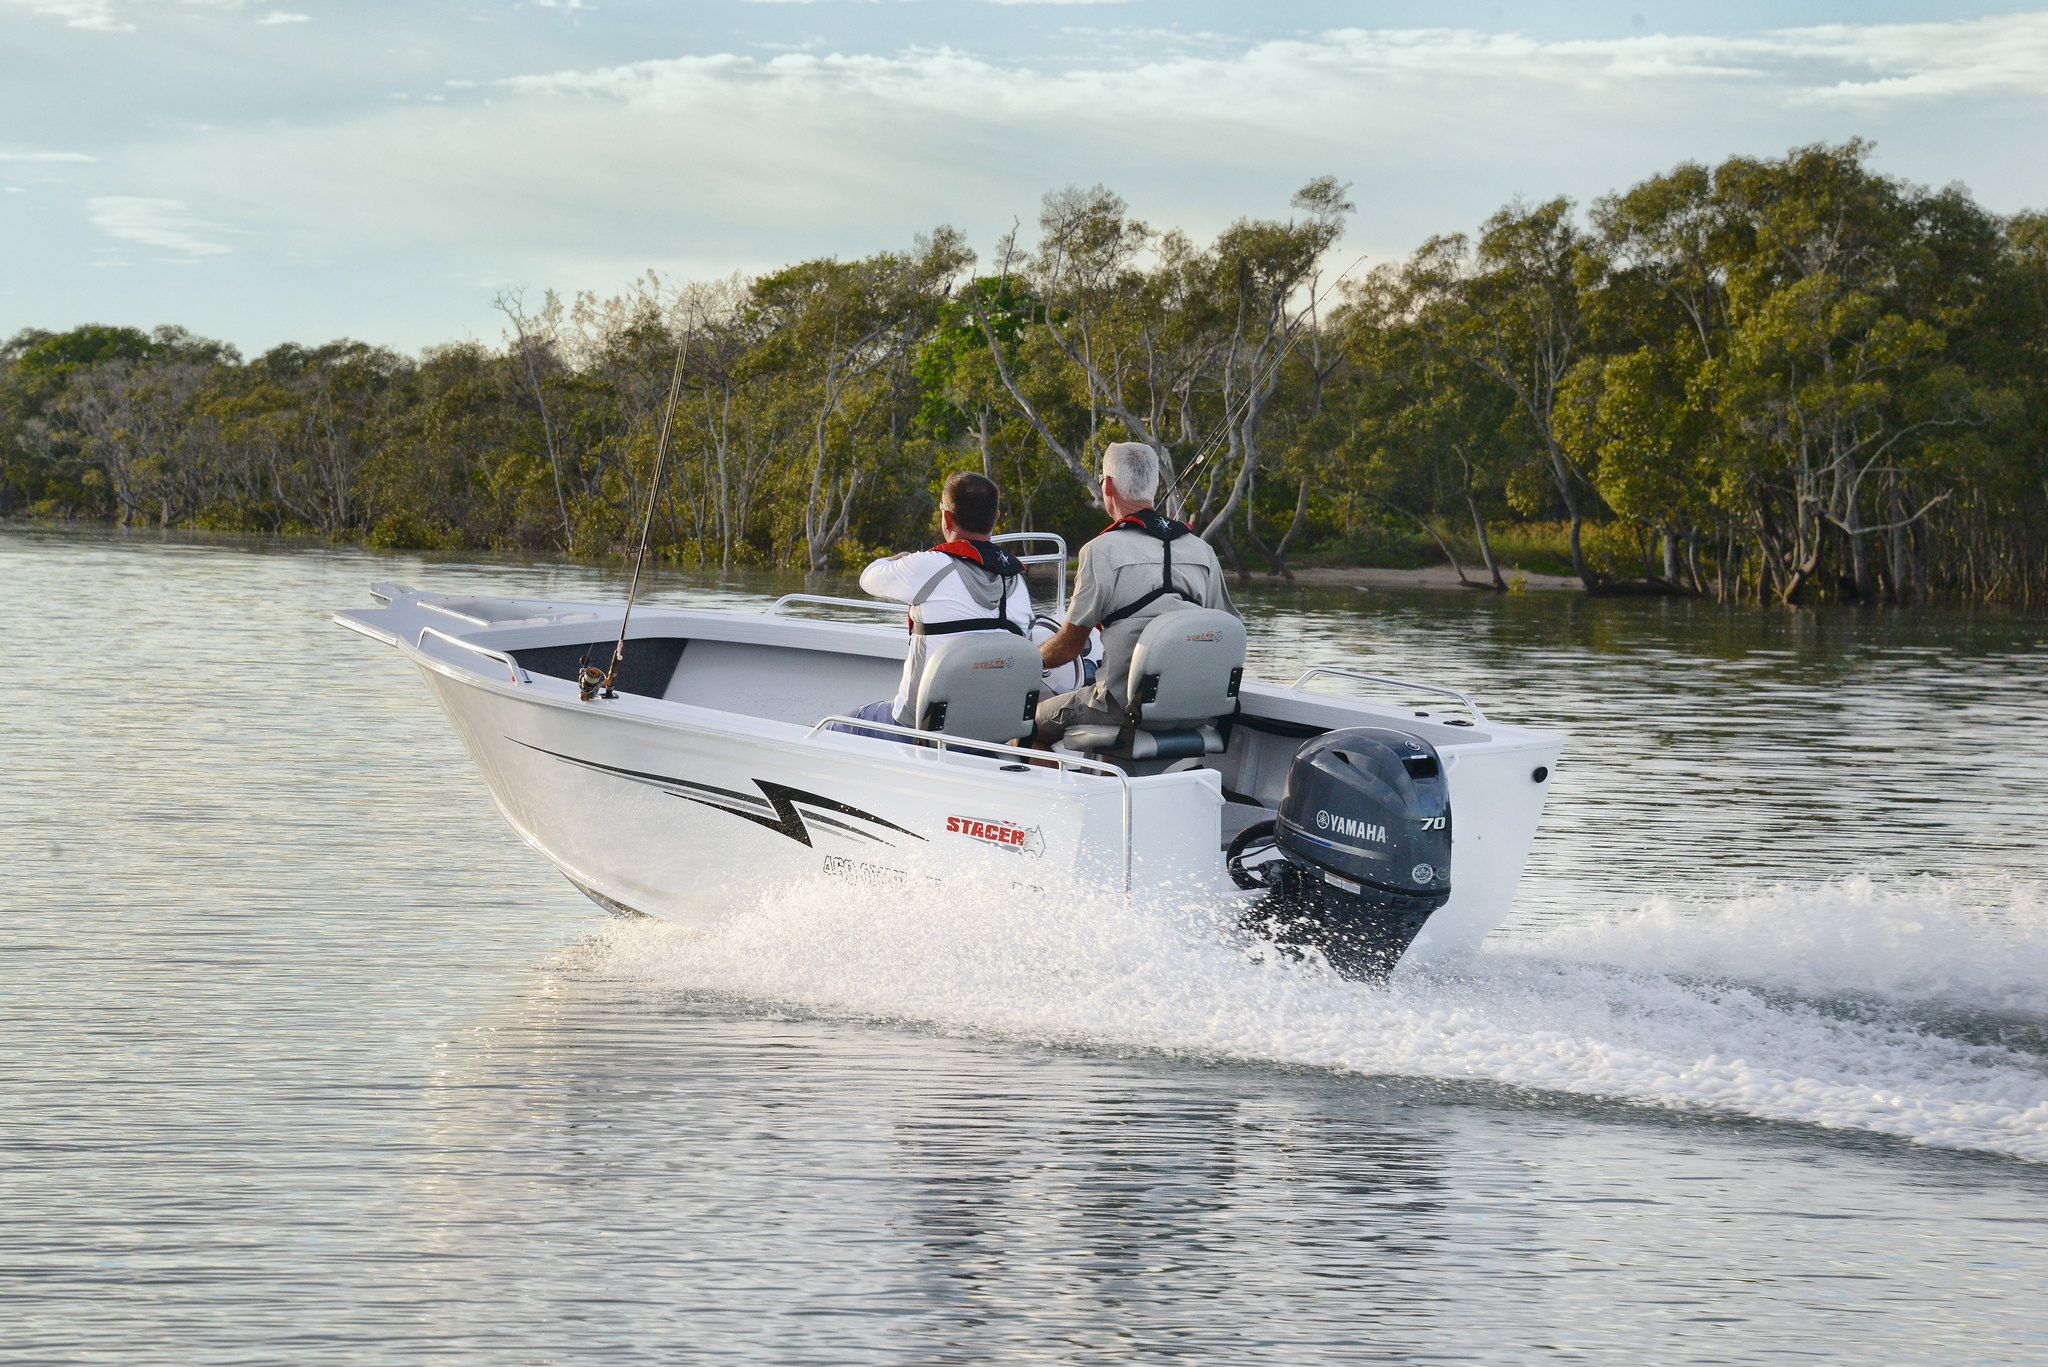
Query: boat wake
1916, 1009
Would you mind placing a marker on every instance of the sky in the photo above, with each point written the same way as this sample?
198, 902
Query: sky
379, 169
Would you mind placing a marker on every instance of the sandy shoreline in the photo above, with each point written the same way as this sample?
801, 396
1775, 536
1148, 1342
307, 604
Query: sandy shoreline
1433, 577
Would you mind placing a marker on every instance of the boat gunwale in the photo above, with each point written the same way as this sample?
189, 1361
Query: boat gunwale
1279, 702
548, 691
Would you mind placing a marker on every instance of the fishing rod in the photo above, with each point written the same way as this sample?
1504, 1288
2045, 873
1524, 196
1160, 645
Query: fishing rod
588, 681
1231, 419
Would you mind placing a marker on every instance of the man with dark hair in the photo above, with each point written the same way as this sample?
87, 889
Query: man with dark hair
965, 583
1142, 565
973, 499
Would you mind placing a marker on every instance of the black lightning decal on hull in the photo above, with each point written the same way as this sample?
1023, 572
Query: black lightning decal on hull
776, 809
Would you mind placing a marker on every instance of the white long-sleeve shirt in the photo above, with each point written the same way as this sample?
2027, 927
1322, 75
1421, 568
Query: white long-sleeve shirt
900, 579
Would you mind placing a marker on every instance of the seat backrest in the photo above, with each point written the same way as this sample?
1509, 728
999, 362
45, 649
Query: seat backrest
1187, 666
981, 685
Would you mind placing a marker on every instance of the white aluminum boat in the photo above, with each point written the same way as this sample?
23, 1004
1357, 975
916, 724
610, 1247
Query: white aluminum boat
717, 770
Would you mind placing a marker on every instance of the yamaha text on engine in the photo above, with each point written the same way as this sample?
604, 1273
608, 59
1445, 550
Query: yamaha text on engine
1360, 855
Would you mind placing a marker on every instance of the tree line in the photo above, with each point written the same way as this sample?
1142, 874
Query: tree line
1774, 379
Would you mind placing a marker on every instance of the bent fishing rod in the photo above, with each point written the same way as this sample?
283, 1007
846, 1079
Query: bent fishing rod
588, 681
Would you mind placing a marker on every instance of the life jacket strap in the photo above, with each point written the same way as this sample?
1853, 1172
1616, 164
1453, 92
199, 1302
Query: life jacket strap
1166, 532
970, 624
957, 564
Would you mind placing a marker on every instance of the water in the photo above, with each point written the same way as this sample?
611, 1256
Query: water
304, 1057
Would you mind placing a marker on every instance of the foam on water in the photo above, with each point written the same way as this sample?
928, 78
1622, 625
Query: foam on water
1981, 945
1834, 1006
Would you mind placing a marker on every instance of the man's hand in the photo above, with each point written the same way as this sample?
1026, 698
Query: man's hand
1064, 646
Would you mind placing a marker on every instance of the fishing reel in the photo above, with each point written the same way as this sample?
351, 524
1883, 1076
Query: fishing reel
592, 682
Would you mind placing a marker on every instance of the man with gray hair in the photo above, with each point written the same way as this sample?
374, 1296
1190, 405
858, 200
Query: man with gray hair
1142, 566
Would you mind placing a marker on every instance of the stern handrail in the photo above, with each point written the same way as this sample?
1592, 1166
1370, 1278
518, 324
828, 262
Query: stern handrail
1058, 558
518, 670
1438, 689
945, 742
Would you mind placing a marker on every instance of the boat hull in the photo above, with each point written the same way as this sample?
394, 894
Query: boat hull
686, 823
706, 793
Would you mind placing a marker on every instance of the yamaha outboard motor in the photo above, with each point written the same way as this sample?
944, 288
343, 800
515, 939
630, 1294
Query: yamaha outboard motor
1361, 853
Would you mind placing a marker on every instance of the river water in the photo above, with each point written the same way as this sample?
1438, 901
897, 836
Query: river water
304, 1057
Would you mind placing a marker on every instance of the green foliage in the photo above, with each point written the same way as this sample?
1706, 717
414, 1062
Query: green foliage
56, 353
958, 379
1536, 547
1776, 377
402, 532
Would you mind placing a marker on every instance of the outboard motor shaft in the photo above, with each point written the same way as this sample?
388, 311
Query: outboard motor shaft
1360, 855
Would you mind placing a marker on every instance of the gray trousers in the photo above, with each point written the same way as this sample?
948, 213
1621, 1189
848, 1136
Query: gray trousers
1064, 710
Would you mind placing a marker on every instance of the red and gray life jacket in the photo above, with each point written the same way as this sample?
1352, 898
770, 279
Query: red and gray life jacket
1151, 522
989, 573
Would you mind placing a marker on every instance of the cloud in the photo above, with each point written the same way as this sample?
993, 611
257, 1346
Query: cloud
86, 14
165, 223
1908, 62
106, 16
2006, 54
573, 3
278, 16
46, 156
726, 159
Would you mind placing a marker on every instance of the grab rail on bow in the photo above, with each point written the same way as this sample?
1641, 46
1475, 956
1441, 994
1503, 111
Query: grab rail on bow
518, 671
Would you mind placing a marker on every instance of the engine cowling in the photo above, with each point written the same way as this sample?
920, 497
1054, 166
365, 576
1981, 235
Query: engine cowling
1364, 831
1370, 807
